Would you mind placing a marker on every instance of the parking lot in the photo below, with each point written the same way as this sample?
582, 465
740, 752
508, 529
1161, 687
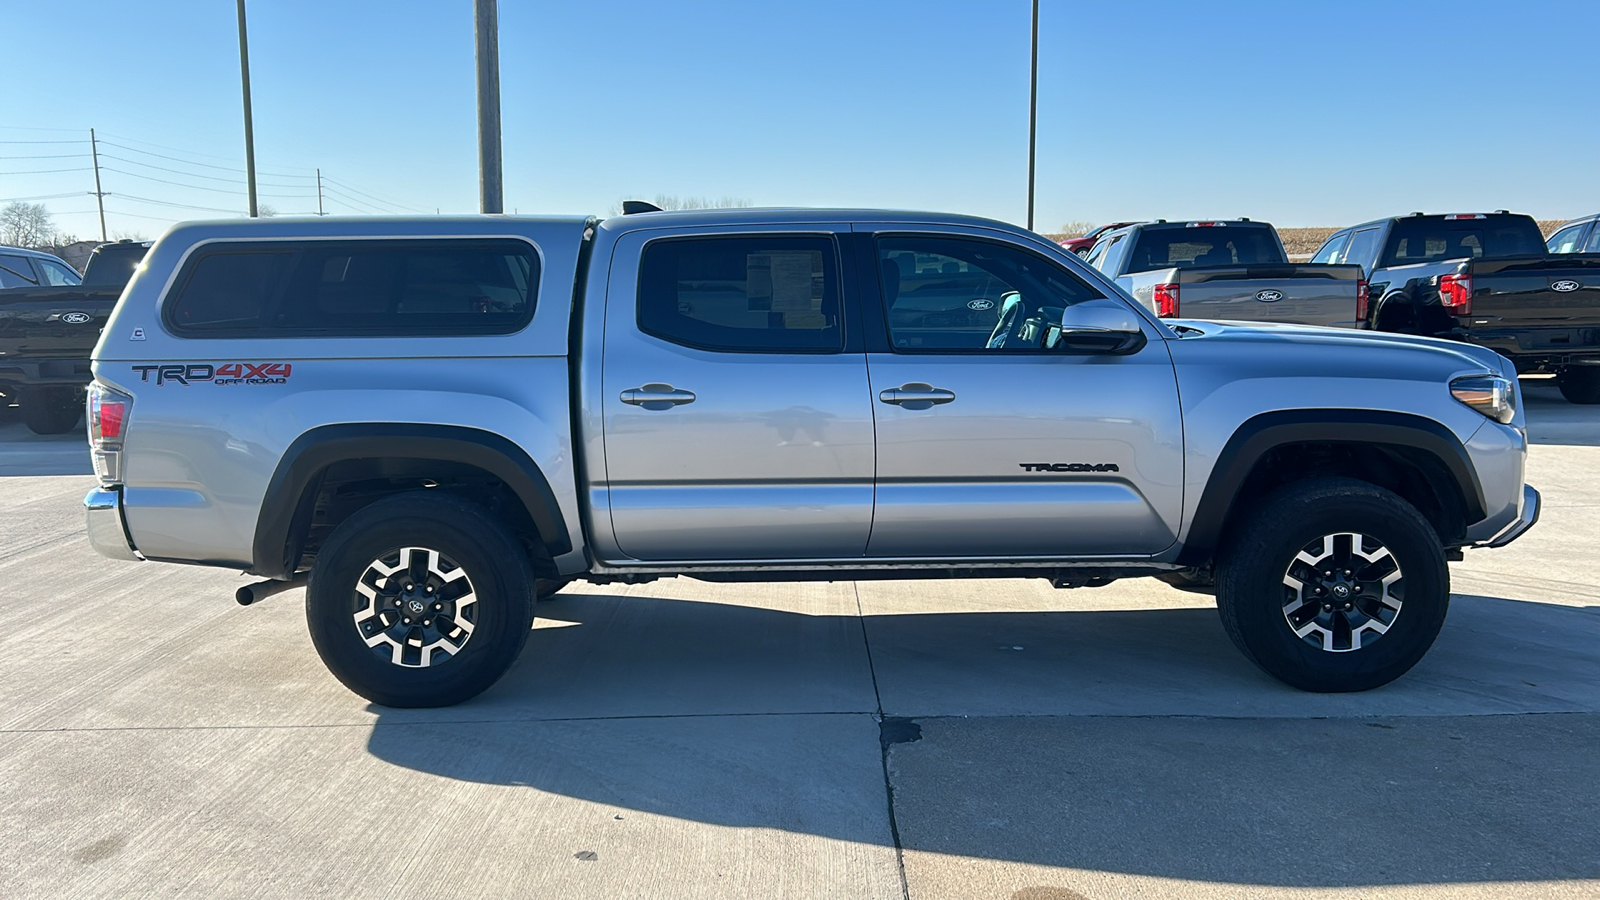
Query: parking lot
993, 739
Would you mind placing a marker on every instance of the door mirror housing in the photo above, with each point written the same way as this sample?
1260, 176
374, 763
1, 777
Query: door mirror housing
1096, 327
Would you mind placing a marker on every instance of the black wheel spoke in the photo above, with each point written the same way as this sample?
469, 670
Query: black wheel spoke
412, 602
1342, 591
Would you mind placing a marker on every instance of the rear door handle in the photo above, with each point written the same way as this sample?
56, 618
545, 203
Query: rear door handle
656, 396
916, 395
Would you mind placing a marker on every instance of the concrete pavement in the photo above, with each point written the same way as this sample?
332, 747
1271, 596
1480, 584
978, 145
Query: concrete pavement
683, 739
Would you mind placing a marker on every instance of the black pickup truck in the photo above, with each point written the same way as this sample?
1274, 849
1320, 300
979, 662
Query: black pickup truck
1486, 279
49, 323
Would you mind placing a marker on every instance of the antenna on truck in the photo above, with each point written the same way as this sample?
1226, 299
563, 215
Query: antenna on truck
629, 207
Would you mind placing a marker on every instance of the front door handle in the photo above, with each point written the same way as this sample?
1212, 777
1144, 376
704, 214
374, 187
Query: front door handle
656, 396
916, 395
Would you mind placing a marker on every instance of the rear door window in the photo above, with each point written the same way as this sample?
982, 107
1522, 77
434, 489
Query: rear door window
357, 288
756, 294
1363, 249
1593, 244
1116, 249
1568, 239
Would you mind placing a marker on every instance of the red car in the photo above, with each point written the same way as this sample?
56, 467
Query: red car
1081, 245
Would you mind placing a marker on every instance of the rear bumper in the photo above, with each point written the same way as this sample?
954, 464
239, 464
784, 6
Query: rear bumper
27, 373
108, 534
1529, 516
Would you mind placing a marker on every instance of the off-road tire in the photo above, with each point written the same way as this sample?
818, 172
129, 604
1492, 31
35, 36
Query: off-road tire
52, 411
501, 579
1580, 384
1259, 551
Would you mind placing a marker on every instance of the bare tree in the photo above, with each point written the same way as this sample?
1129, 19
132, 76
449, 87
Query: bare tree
266, 211
667, 201
1075, 229
26, 225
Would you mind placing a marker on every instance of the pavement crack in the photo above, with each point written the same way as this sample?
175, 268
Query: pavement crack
890, 731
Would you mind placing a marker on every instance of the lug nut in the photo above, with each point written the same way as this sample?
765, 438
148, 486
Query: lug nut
406, 621
438, 606
430, 588
1349, 605
427, 621
1327, 607
1358, 588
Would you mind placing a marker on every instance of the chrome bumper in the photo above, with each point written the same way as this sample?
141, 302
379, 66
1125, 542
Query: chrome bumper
102, 511
1530, 515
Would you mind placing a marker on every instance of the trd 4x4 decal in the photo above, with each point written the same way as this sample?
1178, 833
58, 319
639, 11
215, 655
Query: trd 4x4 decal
217, 373
1069, 467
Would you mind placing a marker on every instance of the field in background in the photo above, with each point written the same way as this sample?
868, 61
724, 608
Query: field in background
1305, 241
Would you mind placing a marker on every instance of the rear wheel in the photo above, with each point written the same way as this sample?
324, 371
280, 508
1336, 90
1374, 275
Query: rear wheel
1333, 585
52, 410
1580, 384
420, 600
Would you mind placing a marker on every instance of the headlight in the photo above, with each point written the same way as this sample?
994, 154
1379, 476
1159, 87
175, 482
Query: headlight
1491, 395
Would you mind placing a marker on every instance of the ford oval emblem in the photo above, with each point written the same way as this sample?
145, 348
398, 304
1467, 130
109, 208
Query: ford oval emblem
1269, 296
980, 304
75, 318
1564, 286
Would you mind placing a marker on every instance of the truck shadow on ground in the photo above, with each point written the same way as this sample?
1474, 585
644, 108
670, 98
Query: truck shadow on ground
1552, 419
24, 453
1136, 741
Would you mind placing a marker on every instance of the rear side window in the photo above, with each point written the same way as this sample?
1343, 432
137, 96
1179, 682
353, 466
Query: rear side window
1199, 247
1363, 248
356, 288
16, 272
1593, 246
742, 294
1332, 253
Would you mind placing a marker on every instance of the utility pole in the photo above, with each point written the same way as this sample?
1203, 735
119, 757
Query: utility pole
249, 132
99, 195
1033, 109
486, 20
319, 193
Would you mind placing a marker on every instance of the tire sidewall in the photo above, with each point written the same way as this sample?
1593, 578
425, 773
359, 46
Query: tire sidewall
500, 583
1255, 588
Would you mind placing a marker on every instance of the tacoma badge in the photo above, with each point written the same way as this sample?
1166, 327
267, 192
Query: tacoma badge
1069, 467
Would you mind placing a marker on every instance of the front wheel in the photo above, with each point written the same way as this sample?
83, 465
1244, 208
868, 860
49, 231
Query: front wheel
1333, 585
420, 600
1580, 384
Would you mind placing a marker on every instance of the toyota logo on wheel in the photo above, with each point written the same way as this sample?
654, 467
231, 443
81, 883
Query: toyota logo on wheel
1269, 296
75, 318
1564, 286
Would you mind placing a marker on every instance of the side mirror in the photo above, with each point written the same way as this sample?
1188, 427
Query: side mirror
1097, 327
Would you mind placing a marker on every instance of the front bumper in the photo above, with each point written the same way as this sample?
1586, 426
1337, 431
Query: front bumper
108, 535
1529, 516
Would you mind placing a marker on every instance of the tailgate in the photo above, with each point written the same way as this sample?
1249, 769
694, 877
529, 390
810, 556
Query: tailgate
1561, 292
1301, 294
54, 322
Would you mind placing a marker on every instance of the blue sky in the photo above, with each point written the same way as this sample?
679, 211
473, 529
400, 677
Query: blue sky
1299, 113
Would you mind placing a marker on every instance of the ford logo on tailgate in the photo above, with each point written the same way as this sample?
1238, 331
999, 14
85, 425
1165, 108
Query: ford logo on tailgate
1564, 286
1269, 296
75, 318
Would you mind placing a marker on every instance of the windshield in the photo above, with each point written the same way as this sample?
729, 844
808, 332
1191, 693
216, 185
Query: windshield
1420, 239
1195, 247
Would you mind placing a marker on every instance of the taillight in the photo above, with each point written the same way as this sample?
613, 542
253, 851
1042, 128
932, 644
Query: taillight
1361, 300
1455, 294
108, 423
1166, 300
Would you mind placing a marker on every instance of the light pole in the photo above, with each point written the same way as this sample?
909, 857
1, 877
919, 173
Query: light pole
486, 21
249, 133
1033, 109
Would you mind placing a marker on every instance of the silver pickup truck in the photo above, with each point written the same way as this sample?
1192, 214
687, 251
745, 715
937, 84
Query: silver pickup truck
1227, 270
438, 420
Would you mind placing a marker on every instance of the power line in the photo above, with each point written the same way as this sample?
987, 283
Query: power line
191, 162
42, 197
197, 187
350, 205
46, 171
175, 205
44, 142
236, 180
185, 151
55, 156
352, 190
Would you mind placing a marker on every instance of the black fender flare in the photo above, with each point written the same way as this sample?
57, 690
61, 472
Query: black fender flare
284, 513
1263, 433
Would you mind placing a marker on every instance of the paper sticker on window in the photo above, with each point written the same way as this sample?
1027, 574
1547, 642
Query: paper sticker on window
788, 281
